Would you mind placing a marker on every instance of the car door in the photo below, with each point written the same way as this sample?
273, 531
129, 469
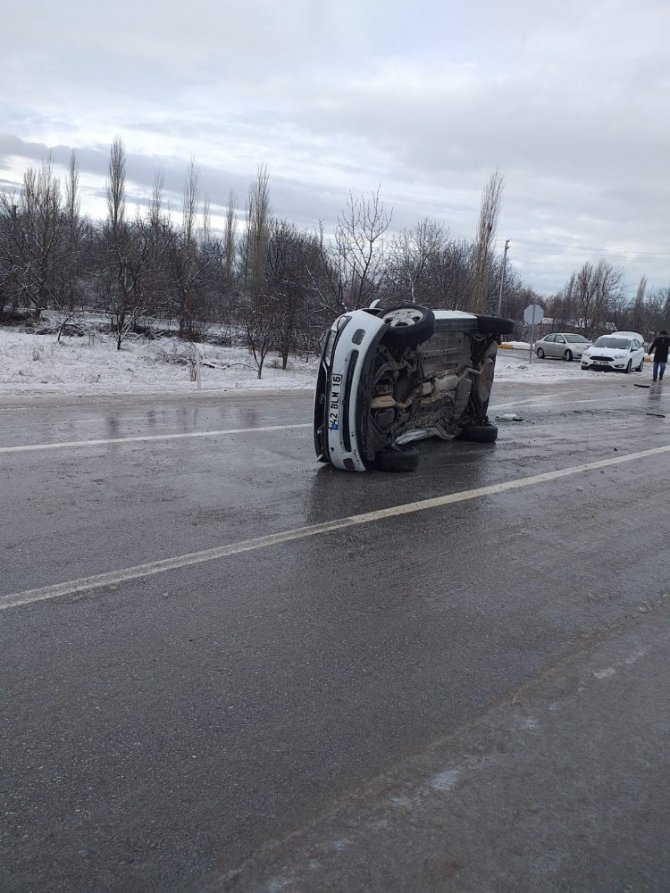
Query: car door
558, 347
547, 345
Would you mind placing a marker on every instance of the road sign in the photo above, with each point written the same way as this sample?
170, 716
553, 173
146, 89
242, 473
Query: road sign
533, 314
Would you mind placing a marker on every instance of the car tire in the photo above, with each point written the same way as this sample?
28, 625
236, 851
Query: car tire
640, 367
407, 325
540, 353
479, 433
567, 356
629, 367
397, 459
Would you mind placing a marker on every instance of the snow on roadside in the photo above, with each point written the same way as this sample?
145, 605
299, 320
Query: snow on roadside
37, 364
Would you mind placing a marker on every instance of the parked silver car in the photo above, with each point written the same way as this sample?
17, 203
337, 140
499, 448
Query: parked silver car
562, 346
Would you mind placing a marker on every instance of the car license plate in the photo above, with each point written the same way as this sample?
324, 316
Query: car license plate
334, 405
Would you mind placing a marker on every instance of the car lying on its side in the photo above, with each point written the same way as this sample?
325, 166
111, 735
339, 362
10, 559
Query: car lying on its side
391, 376
562, 345
618, 351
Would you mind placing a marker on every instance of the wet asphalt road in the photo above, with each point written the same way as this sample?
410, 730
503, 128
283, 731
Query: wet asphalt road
470, 696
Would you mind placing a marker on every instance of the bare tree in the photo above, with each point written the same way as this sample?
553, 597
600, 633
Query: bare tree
127, 249
259, 322
160, 238
188, 264
359, 241
38, 248
488, 219
351, 271
116, 189
74, 228
9, 292
409, 257
639, 321
230, 241
594, 293
258, 234
288, 286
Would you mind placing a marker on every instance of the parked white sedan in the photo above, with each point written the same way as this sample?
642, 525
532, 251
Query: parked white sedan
562, 345
617, 352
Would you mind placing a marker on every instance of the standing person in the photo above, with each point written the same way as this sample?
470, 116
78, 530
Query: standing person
659, 348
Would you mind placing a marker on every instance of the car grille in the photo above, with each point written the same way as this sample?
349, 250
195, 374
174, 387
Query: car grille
595, 359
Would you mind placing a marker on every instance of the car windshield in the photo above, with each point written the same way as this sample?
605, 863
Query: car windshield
614, 343
576, 339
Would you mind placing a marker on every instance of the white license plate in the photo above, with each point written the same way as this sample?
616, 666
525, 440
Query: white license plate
334, 404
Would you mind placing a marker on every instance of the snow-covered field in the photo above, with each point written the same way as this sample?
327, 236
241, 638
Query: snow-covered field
37, 364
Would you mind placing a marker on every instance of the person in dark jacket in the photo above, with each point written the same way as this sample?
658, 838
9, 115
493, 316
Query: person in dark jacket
659, 348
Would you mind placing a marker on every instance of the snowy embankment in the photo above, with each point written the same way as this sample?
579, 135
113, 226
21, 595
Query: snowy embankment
39, 364
92, 365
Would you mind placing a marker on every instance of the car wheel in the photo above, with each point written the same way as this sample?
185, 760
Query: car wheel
408, 325
639, 368
629, 367
540, 353
568, 356
397, 459
479, 433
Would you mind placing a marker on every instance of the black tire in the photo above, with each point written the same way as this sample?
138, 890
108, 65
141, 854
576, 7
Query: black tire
397, 459
540, 353
639, 368
479, 433
495, 325
629, 367
407, 325
567, 356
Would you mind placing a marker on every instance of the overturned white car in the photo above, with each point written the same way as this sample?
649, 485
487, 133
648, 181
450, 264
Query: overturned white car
391, 376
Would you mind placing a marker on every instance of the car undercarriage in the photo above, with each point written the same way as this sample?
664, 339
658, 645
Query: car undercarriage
389, 378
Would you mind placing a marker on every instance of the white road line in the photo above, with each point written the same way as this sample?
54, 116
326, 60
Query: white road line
86, 584
140, 438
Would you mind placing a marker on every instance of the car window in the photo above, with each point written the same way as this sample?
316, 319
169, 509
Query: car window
551, 338
576, 339
560, 339
613, 343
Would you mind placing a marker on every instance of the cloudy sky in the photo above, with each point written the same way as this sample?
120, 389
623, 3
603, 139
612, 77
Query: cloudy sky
424, 99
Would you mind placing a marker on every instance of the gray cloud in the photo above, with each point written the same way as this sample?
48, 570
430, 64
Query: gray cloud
567, 100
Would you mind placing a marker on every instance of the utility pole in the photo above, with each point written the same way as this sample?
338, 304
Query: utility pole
502, 278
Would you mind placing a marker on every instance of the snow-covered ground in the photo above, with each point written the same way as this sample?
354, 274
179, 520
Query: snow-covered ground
39, 364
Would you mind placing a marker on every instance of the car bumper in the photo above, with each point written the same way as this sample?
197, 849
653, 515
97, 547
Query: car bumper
600, 365
339, 435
